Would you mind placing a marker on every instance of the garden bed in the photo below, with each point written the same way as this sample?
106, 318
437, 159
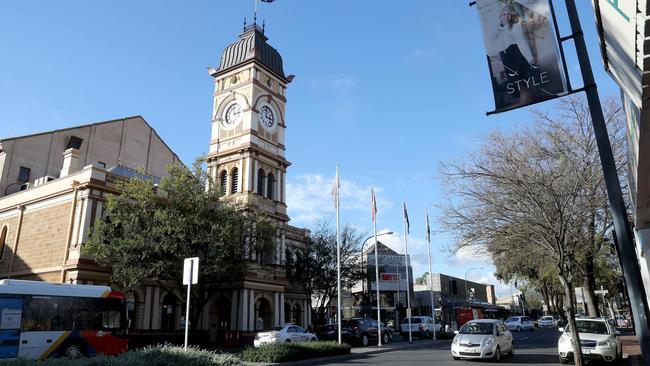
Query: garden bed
293, 351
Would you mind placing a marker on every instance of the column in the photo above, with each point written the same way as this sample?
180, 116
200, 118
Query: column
85, 221
278, 183
155, 305
147, 309
234, 308
282, 319
276, 308
305, 310
283, 250
243, 312
252, 324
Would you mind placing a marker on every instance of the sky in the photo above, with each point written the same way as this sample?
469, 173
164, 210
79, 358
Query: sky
386, 89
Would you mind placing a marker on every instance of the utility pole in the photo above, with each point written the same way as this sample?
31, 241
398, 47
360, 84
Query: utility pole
625, 244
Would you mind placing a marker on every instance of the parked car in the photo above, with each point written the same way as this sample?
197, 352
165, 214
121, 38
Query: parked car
328, 332
598, 340
284, 334
363, 331
622, 322
519, 323
546, 321
421, 326
482, 338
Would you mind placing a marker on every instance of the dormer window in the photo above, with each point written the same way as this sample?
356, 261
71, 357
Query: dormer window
24, 173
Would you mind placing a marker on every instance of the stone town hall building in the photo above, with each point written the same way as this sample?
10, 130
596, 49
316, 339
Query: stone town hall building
53, 186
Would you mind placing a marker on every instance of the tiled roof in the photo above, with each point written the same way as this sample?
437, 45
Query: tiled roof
252, 45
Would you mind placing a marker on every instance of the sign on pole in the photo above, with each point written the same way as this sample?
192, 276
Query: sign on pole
191, 270
190, 277
522, 52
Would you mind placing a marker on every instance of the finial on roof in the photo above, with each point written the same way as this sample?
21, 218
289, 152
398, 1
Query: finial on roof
255, 18
244, 24
263, 25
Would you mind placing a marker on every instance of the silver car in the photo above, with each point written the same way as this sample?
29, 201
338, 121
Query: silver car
482, 338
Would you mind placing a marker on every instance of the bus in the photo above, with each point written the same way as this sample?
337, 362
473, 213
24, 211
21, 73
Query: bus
39, 320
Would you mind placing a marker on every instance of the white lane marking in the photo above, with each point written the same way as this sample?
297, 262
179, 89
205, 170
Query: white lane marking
524, 338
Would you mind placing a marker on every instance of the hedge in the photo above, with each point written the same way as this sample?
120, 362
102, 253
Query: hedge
149, 356
293, 351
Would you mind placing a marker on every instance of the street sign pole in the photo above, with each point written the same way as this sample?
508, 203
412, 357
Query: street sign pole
190, 276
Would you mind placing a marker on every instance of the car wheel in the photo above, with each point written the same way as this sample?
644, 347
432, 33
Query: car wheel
365, 340
72, 351
497, 354
385, 338
518, 328
563, 360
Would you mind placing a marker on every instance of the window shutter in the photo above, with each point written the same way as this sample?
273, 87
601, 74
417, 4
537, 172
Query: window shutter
235, 180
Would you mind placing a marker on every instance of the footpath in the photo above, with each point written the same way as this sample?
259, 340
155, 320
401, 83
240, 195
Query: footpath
632, 350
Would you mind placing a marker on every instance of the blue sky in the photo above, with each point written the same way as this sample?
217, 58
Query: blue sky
387, 89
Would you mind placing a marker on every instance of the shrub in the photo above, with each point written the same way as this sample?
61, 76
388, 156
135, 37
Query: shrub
149, 356
293, 351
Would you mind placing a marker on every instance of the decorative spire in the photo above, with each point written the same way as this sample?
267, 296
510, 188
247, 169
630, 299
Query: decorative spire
244, 24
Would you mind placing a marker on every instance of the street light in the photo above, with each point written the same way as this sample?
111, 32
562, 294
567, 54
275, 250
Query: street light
363, 283
466, 289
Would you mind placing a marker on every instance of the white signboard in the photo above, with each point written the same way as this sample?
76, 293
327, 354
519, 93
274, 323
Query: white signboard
387, 260
191, 270
617, 28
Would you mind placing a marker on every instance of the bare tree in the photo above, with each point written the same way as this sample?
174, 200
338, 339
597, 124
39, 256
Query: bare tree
536, 191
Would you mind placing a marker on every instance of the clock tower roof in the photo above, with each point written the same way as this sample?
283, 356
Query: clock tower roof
251, 45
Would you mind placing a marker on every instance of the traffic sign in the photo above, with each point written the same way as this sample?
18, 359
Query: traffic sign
191, 270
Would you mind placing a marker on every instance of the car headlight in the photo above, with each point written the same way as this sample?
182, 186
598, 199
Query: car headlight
564, 339
606, 343
489, 341
455, 341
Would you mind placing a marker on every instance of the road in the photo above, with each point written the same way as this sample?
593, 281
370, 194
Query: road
531, 348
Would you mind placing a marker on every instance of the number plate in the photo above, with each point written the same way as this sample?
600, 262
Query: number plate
586, 351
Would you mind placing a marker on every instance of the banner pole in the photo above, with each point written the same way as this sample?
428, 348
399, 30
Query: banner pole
625, 243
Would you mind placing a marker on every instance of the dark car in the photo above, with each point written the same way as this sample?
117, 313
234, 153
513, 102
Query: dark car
364, 331
327, 332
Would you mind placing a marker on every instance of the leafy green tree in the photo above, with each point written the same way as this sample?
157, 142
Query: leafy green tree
147, 230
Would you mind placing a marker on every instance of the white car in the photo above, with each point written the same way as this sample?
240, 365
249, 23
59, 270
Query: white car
546, 321
421, 326
482, 338
285, 334
519, 323
598, 340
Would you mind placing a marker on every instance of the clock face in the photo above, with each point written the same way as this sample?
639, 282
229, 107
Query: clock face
266, 116
233, 115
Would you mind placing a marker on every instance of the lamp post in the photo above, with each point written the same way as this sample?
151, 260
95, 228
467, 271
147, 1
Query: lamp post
466, 289
363, 283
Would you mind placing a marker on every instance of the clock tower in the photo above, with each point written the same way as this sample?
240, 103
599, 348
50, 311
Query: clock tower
247, 151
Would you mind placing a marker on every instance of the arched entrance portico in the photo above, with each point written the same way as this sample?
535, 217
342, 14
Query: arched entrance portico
219, 319
263, 314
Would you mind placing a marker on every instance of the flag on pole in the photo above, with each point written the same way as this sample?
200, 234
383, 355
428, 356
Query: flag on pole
406, 218
426, 215
335, 188
373, 204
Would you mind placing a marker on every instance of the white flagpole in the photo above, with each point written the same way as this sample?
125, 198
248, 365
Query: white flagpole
406, 264
338, 255
433, 309
374, 224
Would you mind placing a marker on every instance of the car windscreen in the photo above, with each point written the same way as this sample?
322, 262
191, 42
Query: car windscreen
277, 328
546, 318
590, 326
477, 328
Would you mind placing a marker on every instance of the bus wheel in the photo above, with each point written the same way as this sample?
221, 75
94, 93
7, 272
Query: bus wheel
73, 350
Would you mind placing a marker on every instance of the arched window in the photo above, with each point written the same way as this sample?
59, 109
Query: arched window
260, 182
3, 239
270, 182
223, 181
234, 183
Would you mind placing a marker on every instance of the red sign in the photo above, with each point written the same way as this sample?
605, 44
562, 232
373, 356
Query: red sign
390, 277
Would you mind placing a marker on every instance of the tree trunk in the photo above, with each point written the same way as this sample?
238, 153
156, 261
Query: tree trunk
545, 295
570, 313
588, 287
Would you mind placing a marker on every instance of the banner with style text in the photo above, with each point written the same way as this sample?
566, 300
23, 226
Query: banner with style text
522, 52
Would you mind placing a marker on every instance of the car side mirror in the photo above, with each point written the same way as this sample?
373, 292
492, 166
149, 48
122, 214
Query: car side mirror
561, 329
455, 332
